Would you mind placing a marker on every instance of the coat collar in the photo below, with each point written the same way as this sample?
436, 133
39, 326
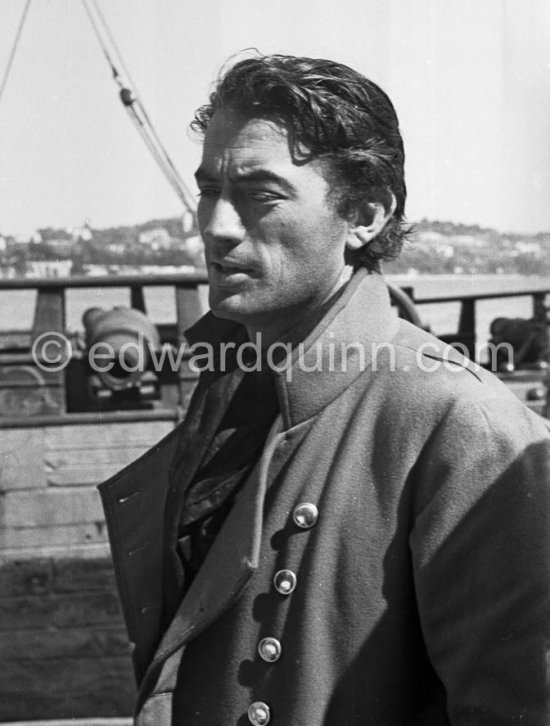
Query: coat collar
325, 363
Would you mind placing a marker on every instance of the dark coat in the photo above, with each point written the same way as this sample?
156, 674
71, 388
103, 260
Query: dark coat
422, 590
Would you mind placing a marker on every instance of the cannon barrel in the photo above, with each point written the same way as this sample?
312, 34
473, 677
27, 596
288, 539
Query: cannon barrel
528, 339
119, 343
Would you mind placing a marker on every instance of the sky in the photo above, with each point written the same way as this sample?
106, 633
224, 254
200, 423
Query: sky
470, 80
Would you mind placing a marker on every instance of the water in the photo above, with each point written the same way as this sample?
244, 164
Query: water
17, 306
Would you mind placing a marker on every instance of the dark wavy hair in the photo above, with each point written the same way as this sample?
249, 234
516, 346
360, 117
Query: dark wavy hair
336, 115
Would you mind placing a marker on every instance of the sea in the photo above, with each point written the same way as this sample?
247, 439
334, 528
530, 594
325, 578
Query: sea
17, 306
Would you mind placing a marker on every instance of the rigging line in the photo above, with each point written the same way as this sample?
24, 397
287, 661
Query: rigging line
146, 128
122, 63
104, 48
171, 178
189, 199
187, 195
160, 154
14, 47
150, 142
114, 45
173, 181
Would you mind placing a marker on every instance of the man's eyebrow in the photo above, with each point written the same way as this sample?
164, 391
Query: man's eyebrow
242, 177
201, 175
260, 175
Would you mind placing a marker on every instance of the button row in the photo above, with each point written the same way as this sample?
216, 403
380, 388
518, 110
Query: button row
305, 516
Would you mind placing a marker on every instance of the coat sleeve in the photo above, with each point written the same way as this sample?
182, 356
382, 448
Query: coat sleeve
481, 557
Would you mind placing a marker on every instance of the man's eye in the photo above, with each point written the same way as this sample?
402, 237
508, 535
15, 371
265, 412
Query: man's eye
208, 192
264, 196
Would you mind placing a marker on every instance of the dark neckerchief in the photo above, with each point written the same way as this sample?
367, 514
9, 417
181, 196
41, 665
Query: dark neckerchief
231, 455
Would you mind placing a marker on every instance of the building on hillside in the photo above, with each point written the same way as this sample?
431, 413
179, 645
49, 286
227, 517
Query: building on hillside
431, 236
92, 270
194, 250
117, 248
528, 248
469, 240
8, 272
156, 238
49, 268
61, 247
18, 242
82, 233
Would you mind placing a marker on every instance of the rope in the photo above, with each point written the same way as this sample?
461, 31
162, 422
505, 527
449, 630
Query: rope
115, 46
168, 164
104, 48
172, 178
14, 48
136, 110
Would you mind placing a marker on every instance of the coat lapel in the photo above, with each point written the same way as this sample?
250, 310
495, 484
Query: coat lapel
210, 404
229, 565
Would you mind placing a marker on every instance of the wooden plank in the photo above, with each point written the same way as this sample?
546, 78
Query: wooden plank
46, 643
30, 401
101, 721
74, 575
82, 467
22, 459
84, 552
66, 688
14, 538
89, 454
51, 508
60, 611
136, 433
26, 577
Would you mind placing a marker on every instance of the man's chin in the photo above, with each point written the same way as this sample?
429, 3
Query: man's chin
228, 309
221, 314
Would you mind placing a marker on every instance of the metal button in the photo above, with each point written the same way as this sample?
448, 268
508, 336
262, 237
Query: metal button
285, 582
305, 515
269, 649
259, 713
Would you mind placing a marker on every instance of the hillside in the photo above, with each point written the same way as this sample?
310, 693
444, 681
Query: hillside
444, 247
433, 247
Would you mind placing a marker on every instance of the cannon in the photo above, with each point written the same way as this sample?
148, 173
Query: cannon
527, 339
120, 345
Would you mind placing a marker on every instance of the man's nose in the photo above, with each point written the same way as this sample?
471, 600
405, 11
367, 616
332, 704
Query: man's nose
223, 223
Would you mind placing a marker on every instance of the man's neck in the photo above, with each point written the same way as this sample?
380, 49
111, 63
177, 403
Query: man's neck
298, 330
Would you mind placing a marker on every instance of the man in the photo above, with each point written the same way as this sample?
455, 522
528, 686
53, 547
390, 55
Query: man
351, 526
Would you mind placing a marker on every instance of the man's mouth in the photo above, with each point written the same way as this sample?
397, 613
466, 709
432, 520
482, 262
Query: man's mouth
228, 274
228, 268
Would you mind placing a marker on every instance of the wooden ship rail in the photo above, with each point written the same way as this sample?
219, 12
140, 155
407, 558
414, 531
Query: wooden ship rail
50, 315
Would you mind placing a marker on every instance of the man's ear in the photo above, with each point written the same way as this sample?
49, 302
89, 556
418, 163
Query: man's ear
369, 220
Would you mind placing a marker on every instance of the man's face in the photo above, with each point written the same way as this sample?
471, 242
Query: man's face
274, 244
